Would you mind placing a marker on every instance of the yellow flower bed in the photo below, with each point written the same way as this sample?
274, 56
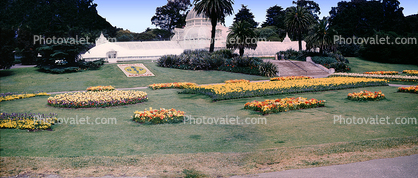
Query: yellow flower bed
383, 73
181, 85
237, 81
101, 88
412, 72
10, 97
243, 90
290, 78
97, 99
27, 121
387, 77
283, 105
162, 116
366, 96
411, 89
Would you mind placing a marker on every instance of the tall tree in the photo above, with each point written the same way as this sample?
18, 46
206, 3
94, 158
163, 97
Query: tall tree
245, 14
216, 10
275, 17
298, 19
49, 18
242, 36
321, 36
172, 15
312, 6
364, 18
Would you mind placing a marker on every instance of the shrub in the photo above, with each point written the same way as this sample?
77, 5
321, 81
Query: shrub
323, 60
226, 53
62, 68
203, 60
268, 69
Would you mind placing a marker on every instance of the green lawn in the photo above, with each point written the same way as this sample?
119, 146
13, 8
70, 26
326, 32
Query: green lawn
301, 131
358, 65
294, 128
30, 79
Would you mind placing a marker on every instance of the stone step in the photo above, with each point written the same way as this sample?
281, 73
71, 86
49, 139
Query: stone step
297, 68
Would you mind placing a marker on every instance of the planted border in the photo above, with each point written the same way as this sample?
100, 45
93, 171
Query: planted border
290, 78
97, 99
366, 96
411, 89
101, 88
382, 73
27, 121
386, 77
11, 96
237, 81
283, 105
162, 116
180, 85
252, 89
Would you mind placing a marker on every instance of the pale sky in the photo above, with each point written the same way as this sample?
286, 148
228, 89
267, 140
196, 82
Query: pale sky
135, 15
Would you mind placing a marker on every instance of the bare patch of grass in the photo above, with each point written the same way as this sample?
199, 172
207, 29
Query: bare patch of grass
212, 164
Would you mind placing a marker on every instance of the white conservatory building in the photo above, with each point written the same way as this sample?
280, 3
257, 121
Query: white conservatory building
195, 35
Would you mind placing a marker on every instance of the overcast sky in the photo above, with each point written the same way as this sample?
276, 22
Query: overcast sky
135, 15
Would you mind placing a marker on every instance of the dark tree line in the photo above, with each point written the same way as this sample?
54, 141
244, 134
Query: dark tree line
48, 18
383, 18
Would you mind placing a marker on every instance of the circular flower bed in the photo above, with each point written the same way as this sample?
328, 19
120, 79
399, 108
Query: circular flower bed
162, 116
97, 99
366, 96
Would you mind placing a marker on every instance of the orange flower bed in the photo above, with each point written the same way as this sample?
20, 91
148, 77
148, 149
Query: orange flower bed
283, 105
411, 89
162, 116
366, 96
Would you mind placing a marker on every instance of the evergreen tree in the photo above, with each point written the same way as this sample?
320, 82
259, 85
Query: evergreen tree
245, 14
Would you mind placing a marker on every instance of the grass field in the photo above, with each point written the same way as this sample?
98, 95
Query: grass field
289, 140
29, 79
359, 66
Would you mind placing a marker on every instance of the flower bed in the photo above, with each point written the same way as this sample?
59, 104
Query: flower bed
162, 116
181, 85
410, 72
237, 81
383, 73
290, 78
244, 90
11, 96
283, 105
366, 96
97, 99
28, 121
411, 89
387, 77
101, 88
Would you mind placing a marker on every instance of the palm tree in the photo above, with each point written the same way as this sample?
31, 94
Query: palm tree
321, 36
215, 10
242, 36
298, 19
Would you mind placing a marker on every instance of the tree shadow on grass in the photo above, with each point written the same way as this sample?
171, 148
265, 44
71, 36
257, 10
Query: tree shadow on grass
6, 73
